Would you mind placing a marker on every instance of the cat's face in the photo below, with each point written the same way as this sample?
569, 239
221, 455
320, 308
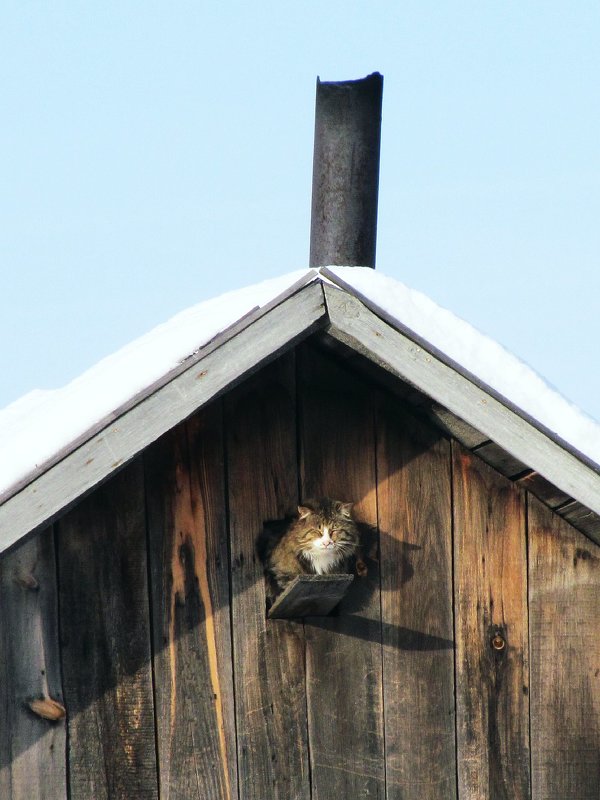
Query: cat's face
327, 530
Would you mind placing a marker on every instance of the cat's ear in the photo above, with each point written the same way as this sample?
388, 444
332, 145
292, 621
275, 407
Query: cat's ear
346, 509
303, 512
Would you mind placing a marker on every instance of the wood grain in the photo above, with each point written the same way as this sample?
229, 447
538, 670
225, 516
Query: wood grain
490, 599
185, 489
564, 603
32, 749
106, 643
268, 654
415, 521
344, 659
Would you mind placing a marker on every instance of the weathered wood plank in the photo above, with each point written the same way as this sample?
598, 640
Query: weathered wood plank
543, 489
564, 603
454, 426
268, 654
103, 600
343, 653
41, 501
310, 595
582, 518
189, 568
360, 328
415, 522
500, 459
33, 762
492, 680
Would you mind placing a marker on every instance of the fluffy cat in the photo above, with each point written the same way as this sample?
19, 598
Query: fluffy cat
324, 538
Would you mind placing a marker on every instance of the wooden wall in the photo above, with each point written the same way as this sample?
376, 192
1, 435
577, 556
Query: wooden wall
142, 613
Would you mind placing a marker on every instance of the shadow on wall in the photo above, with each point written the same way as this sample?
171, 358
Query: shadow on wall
128, 598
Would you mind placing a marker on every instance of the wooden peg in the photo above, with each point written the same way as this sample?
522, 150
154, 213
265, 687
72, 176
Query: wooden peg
49, 709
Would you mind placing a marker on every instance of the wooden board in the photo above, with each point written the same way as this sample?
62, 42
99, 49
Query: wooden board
343, 652
543, 489
564, 607
415, 522
490, 599
310, 595
32, 748
582, 518
268, 654
500, 459
106, 643
189, 568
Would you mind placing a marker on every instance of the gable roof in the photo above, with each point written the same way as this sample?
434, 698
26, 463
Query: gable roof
58, 445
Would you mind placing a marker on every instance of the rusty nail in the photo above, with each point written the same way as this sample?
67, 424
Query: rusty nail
498, 642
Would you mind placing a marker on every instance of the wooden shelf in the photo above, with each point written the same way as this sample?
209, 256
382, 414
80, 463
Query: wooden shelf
310, 596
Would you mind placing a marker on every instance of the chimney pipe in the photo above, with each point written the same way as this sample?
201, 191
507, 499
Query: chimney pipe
346, 172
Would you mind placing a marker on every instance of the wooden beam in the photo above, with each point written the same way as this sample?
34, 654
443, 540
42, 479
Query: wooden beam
357, 326
310, 596
45, 498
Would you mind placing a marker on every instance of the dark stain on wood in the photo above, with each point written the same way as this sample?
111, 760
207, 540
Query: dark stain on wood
185, 488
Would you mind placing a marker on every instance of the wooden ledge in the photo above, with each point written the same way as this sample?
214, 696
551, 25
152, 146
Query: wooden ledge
310, 596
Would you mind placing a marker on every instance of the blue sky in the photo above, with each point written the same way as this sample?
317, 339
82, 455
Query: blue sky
153, 155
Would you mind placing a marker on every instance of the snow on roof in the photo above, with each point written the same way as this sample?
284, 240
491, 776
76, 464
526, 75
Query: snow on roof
480, 355
34, 428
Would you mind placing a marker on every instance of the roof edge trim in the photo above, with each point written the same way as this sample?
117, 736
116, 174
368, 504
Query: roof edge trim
89, 463
441, 356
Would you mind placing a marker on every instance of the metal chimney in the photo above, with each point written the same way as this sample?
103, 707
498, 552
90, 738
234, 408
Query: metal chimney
346, 172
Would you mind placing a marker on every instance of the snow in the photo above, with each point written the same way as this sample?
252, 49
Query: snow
477, 353
36, 427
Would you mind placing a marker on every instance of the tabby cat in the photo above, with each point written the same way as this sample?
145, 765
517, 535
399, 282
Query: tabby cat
322, 539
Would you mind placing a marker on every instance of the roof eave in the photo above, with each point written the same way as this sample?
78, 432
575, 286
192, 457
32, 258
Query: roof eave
216, 368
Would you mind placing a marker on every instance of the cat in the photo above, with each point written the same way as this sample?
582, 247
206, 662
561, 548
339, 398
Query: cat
322, 539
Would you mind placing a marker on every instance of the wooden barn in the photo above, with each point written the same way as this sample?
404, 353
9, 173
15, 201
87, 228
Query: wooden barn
137, 659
